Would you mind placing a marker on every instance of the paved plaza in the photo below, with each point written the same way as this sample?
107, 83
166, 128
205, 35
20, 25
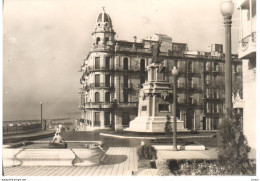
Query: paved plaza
120, 161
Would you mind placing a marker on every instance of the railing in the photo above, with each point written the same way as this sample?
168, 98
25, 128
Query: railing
99, 105
127, 86
94, 69
101, 85
101, 48
181, 85
127, 104
209, 96
181, 101
253, 35
244, 43
25, 126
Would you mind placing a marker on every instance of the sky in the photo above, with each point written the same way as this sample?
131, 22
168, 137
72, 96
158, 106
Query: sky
45, 42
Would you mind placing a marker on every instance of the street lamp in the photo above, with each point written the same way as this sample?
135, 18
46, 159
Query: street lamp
41, 112
175, 74
227, 9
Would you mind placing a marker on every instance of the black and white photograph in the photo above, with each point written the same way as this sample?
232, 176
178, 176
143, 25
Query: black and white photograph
129, 88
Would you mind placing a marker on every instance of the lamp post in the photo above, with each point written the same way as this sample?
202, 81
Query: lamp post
41, 112
175, 74
227, 9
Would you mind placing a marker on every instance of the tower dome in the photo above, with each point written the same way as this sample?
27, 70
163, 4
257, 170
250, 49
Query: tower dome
103, 34
104, 22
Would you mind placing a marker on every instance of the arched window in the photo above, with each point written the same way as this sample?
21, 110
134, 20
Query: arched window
97, 97
97, 40
125, 64
106, 40
142, 66
107, 97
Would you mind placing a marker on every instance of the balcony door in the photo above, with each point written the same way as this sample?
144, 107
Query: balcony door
125, 84
125, 118
107, 80
97, 62
97, 80
97, 119
107, 119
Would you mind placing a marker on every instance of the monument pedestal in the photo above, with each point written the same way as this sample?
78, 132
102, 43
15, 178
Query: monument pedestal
155, 103
153, 124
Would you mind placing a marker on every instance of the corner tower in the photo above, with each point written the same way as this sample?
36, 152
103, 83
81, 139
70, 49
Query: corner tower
104, 33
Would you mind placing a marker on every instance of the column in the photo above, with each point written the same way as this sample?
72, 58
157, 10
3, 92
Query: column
154, 105
102, 119
118, 121
117, 87
93, 119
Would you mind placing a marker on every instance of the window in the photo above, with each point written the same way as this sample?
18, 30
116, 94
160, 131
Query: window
107, 63
97, 80
106, 40
125, 84
189, 64
144, 108
215, 123
142, 66
107, 80
107, 119
107, 97
190, 99
163, 107
125, 118
142, 80
97, 119
97, 40
97, 62
125, 64
178, 113
125, 97
97, 97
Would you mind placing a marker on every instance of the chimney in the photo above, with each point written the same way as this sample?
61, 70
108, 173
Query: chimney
135, 39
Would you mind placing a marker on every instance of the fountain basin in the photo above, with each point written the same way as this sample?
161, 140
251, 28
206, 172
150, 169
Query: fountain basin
90, 153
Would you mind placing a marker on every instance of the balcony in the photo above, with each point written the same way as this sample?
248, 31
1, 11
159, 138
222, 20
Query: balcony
180, 85
99, 105
127, 86
101, 86
127, 104
191, 86
100, 69
101, 48
247, 46
216, 97
182, 102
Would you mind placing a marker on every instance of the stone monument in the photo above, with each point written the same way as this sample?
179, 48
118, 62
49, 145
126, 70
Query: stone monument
155, 100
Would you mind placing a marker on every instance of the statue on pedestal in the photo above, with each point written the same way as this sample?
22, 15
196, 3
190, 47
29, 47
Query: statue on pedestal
57, 141
156, 52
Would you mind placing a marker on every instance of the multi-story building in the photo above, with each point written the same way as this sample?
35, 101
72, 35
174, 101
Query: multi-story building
114, 71
247, 53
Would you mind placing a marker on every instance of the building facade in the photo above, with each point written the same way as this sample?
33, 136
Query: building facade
247, 53
114, 71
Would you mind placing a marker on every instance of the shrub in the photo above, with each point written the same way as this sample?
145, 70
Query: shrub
144, 164
232, 147
147, 152
163, 168
204, 167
